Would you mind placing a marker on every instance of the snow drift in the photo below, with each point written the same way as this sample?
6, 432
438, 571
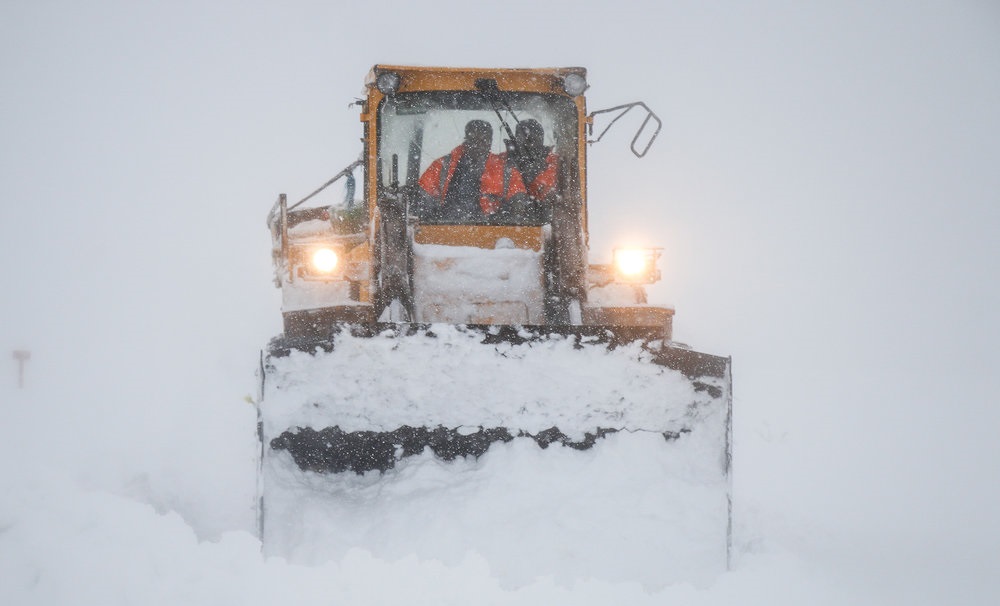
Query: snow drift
649, 503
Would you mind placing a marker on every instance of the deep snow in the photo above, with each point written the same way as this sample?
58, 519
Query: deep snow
104, 502
825, 189
635, 507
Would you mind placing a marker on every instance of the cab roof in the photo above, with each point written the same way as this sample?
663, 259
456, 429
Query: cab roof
537, 80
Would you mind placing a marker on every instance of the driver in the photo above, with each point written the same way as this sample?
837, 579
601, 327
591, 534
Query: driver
536, 163
470, 183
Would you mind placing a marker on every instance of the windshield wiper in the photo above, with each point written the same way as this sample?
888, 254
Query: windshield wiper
491, 92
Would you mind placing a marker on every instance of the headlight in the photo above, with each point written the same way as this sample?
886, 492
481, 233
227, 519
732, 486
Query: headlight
388, 83
636, 265
324, 260
574, 84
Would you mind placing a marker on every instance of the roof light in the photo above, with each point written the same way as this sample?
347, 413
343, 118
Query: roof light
388, 83
574, 84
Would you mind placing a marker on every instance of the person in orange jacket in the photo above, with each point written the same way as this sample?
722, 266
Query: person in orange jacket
471, 183
536, 162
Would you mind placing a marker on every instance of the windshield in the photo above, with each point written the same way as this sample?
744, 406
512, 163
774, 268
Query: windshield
451, 149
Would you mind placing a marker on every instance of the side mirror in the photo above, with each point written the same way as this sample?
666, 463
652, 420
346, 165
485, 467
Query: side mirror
622, 110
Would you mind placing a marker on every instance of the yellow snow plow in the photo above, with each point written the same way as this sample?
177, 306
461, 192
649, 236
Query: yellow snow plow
450, 320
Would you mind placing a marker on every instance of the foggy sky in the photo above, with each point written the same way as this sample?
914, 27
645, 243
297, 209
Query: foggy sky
825, 187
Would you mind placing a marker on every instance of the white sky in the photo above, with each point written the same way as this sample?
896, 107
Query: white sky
825, 187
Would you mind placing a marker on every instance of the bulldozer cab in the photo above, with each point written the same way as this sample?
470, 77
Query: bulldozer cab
418, 128
461, 192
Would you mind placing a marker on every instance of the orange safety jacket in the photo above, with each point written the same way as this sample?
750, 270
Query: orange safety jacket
545, 182
498, 183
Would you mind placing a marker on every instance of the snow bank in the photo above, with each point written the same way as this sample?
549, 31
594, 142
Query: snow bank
63, 544
634, 508
67, 546
637, 507
75, 528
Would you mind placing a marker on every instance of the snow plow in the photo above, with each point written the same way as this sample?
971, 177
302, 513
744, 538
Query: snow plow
455, 376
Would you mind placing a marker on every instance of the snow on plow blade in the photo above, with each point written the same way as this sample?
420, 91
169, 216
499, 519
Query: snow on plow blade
610, 450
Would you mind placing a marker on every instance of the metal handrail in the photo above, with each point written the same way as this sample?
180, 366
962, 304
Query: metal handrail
350, 169
625, 109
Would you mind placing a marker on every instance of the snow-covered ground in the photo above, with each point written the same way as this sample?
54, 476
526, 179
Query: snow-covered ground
825, 190
107, 502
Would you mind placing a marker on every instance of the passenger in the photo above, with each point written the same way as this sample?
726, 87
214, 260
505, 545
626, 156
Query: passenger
537, 163
470, 183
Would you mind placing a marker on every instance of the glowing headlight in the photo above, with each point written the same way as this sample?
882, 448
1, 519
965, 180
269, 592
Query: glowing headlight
324, 260
631, 262
574, 84
636, 264
388, 83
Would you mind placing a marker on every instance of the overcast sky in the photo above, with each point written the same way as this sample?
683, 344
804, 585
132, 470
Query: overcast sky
825, 188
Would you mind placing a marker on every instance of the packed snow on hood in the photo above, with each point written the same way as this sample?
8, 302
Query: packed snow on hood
480, 286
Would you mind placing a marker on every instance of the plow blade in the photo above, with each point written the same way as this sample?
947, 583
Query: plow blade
612, 448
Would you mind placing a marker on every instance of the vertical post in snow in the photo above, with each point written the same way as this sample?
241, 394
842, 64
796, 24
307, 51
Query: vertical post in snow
22, 356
